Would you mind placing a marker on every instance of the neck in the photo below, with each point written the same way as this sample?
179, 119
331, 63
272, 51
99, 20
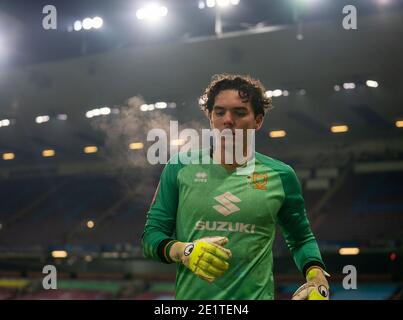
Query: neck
223, 158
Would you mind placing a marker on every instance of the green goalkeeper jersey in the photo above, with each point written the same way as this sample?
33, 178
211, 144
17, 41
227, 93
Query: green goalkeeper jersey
197, 200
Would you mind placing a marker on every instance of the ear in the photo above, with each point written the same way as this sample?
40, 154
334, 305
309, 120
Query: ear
259, 121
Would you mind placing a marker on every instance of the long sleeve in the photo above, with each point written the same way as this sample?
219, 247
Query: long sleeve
161, 217
295, 226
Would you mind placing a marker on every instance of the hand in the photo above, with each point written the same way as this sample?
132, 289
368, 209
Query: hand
206, 257
316, 287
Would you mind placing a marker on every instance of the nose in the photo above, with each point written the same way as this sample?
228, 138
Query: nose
228, 120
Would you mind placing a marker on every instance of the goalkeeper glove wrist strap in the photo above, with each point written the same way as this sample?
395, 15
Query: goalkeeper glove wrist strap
161, 251
167, 249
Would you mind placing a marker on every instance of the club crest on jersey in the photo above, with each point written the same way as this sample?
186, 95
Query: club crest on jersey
258, 181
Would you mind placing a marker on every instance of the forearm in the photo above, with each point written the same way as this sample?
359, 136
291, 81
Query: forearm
307, 255
169, 250
153, 242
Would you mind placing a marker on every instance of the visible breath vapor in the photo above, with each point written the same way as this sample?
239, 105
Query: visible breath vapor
129, 126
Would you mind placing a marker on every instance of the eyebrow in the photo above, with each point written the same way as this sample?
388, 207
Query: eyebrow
238, 108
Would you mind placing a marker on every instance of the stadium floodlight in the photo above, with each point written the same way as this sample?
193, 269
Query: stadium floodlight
87, 24
90, 149
141, 14
337, 87
151, 12
4, 123
90, 224
97, 22
42, 119
105, 111
98, 112
277, 93
59, 254
269, 93
286, 93
277, 134
157, 105
61, 117
89, 114
210, 3
349, 85
136, 145
8, 156
372, 84
221, 4
339, 128
218, 3
161, 105
78, 25
48, 153
163, 11
349, 251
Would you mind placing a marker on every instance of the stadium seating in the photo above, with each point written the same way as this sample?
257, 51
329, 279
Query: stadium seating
55, 211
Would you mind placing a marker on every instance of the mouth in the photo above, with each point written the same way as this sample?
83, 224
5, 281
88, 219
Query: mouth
227, 132
228, 137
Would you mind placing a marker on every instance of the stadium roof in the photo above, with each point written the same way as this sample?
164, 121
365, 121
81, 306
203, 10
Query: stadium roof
32, 44
178, 71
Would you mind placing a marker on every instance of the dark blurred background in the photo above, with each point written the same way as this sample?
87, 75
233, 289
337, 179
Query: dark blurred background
76, 104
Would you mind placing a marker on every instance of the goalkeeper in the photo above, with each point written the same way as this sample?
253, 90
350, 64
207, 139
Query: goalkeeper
217, 225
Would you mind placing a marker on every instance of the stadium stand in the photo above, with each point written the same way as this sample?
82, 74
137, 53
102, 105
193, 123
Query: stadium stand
91, 208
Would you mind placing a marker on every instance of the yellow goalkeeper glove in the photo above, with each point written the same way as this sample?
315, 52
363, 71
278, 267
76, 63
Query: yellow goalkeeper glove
206, 257
316, 287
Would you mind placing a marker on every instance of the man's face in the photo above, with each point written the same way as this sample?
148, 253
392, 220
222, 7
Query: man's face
230, 112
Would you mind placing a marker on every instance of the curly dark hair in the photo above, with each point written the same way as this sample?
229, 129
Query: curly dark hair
249, 89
